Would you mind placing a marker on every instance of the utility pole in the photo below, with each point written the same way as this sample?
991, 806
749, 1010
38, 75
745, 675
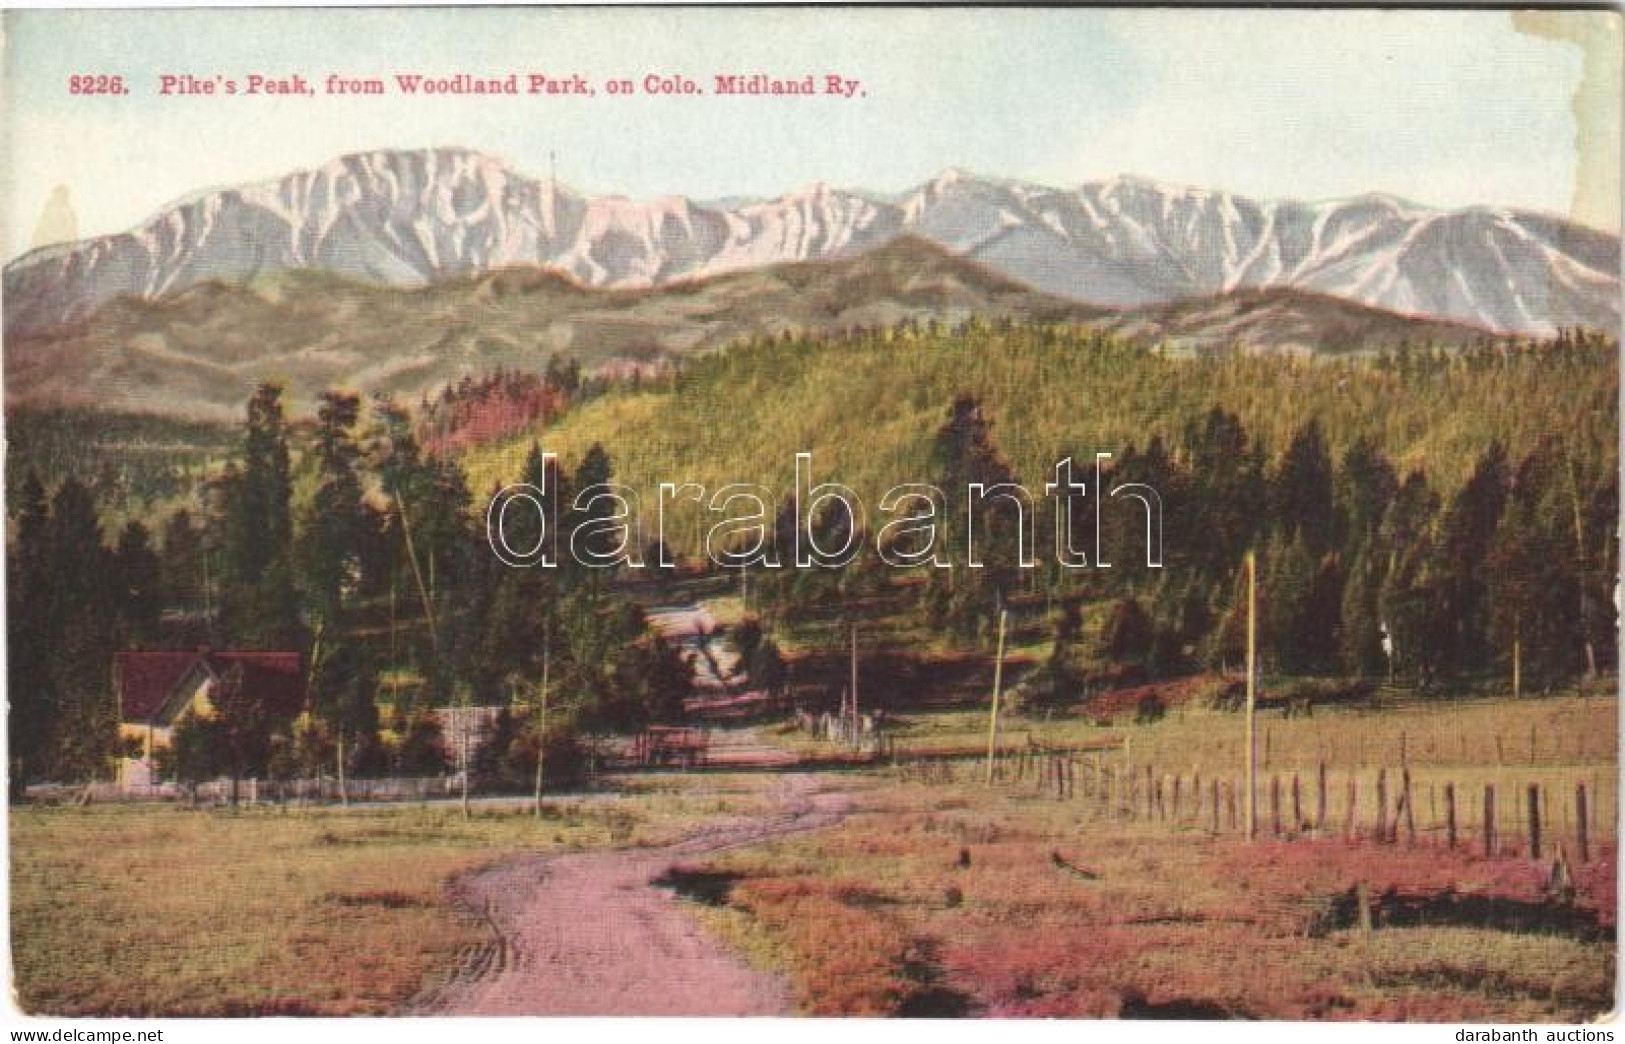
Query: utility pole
1517, 658
417, 573
541, 726
394, 651
993, 714
344, 794
466, 720
208, 607
1252, 695
852, 725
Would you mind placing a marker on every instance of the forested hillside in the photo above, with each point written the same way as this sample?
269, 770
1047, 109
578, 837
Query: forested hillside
1444, 506
1424, 514
866, 406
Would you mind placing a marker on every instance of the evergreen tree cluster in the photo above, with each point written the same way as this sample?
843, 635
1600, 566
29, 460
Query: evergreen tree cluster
344, 541
1419, 513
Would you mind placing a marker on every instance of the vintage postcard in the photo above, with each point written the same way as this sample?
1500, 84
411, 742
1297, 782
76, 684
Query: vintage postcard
1098, 513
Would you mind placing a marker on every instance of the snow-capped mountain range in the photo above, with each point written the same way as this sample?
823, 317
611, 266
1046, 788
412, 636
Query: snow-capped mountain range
409, 218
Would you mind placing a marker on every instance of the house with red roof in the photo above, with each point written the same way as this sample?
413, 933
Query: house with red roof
160, 688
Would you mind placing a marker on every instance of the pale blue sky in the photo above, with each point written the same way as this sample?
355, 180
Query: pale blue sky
1444, 108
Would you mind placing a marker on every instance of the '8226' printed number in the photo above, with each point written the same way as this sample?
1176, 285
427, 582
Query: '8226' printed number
97, 84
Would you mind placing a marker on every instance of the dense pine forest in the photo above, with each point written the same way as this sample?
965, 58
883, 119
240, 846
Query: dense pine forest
1420, 515
344, 541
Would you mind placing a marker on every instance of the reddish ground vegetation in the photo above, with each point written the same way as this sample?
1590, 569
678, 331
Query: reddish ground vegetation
1117, 703
480, 410
955, 897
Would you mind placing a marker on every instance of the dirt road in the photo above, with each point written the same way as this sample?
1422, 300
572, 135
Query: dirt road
590, 934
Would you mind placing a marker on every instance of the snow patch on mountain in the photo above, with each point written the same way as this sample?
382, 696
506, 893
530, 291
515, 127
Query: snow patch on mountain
409, 218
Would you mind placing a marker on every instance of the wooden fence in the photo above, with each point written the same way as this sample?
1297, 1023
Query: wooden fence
255, 792
1389, 806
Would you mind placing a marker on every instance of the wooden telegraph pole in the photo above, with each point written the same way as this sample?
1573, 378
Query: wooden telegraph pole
1252, 695
541, 725
856, 737
993, 715
466, 717
344, 794
1517, 659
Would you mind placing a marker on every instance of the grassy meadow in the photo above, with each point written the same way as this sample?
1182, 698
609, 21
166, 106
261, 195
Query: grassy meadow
946, 899
934, 895
941, 895
144, 910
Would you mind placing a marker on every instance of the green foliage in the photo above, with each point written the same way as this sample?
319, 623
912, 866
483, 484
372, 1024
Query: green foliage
868, 407
138, 575
242, 725
31, 697
1296, 459
259, 606
422, 749
966, 601
566, 758
767, 669
1149, 709
1128, 635
336, 540
79, 609
747, 637
134, 462
193, 753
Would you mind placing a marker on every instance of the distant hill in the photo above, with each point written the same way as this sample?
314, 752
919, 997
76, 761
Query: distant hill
412, 218
1284, 320
199, 351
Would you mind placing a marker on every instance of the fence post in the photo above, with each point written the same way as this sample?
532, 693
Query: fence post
1320, 798
1489, 820
1582, 836
1213, 794
1380, 826
1532, 793
1297, 808
1178, 780
1410, 814
1275, 805
1349, 809
1450, 815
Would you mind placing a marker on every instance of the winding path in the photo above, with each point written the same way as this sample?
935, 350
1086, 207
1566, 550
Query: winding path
590, 934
